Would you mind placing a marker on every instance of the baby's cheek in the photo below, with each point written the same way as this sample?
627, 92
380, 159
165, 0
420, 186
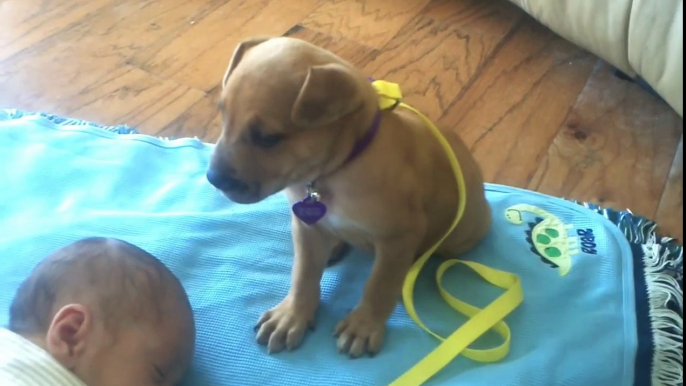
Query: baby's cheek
118, 367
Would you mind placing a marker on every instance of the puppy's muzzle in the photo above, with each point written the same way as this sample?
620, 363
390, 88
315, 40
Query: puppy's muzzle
224, 181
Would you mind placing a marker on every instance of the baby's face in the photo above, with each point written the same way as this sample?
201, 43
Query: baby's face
140, 356
140, 353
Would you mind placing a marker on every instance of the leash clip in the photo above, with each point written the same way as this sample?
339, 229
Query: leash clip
312, 193
397, 103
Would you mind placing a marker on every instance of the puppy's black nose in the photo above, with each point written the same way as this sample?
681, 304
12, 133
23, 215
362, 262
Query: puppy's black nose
223, 181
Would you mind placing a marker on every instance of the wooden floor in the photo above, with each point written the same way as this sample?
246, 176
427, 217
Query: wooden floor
538, 112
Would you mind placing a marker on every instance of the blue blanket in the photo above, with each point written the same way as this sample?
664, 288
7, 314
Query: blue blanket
598, 284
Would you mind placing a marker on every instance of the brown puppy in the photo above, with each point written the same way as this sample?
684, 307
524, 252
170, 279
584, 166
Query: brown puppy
292, 114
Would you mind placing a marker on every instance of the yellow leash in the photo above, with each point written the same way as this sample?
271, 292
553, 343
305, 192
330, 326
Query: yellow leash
480, 320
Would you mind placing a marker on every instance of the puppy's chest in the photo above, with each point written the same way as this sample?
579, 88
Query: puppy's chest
339, 220
349, 224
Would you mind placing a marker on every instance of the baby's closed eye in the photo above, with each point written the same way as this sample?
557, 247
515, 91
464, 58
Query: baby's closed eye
158, 374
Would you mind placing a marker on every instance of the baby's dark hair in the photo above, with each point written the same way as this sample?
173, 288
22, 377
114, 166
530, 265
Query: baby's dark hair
119, 281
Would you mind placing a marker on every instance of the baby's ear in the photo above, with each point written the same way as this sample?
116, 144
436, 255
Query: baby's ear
66, 338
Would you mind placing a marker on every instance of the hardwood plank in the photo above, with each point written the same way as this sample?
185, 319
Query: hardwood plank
28, 22
136, 28
180, 18
186, 46
129, 28
139, 100
373, 22
201, 120
488, 17
199, 56
120, 29
355, 53
66, 81
434, 58
513, 110
670, 212
615, 148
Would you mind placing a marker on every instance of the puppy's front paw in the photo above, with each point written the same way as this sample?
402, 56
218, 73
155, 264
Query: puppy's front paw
360, 332
284, 326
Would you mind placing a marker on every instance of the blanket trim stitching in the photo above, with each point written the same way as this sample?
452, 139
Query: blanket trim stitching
659, 285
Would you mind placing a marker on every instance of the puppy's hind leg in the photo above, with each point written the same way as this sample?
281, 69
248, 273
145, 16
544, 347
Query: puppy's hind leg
469, 233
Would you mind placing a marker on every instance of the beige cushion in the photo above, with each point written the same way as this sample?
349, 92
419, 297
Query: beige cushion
639, 37
656, 47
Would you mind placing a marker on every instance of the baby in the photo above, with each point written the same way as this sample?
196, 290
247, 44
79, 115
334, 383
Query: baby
98, 312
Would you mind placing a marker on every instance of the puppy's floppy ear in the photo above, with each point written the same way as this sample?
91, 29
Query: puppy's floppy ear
238, 53
330, 92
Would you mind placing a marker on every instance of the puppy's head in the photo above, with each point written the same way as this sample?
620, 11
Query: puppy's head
287, 108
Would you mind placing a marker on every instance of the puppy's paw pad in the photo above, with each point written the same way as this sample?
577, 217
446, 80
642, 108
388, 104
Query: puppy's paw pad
283, 327
360, 333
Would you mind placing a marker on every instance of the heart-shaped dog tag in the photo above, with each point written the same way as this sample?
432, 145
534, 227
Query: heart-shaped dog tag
309, 211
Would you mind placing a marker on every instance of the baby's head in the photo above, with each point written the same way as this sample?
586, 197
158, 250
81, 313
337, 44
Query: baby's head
108, 311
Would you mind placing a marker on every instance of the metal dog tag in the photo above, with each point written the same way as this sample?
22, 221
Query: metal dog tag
310, 210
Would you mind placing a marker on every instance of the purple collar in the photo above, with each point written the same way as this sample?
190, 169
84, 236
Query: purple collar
310, 209
363, 143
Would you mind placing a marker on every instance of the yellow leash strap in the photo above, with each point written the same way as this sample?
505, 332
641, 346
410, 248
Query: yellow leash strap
480, 320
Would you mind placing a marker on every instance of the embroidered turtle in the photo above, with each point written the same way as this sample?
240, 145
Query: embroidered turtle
548, 236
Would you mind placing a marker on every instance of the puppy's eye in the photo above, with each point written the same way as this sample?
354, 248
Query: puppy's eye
264, 140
